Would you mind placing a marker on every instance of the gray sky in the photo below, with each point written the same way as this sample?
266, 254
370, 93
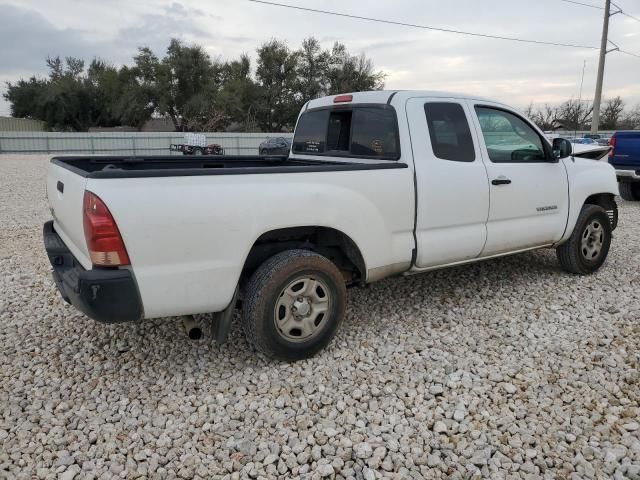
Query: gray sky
512, 72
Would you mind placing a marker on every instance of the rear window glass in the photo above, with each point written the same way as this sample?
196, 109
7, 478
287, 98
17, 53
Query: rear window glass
359, 131
339, 131
375, 133
449, 132
311, 132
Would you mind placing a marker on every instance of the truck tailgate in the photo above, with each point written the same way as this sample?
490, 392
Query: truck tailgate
65, 192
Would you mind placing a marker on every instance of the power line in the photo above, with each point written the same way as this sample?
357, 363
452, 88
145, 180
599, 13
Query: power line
583, 4
438, 29
426, 27
628, 15
598, 7
621, 10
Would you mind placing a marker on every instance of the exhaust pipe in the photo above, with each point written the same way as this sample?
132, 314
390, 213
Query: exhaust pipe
193, 329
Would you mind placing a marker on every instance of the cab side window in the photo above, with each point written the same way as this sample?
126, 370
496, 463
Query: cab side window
449, 132
508, 138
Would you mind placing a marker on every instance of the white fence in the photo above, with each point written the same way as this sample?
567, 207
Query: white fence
124, 143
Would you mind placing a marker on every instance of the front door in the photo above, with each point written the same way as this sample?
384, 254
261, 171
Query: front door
529, 198
451, 182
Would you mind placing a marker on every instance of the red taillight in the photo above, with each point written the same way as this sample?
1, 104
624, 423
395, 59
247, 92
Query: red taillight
612, 144
343, 98
106, 248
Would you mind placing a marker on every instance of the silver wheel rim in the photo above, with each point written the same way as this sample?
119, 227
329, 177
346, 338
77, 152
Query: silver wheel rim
302, 308
592, 240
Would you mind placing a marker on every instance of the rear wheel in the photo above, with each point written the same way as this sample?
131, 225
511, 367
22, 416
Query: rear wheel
197, 151
294, 304
630, 191
588, 247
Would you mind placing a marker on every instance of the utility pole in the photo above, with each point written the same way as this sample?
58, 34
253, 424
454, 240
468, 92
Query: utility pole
584, 65
603, 52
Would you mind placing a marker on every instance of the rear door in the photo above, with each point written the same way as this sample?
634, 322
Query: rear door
529, 191
451, 181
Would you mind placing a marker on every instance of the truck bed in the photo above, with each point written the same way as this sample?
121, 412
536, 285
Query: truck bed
169, 166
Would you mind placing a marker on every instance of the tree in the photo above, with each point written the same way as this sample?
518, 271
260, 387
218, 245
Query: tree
26, 98
349, 73
312, 70
239, 94
62, 100
194, 91
529, 111
575, 115
135, 102
276, 75
631, 119
611, 113
184, 85
546, 117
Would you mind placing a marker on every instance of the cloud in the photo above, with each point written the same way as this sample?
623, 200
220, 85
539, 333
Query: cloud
516, 73
28, 38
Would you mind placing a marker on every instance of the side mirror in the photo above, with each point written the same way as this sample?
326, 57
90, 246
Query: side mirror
561, 148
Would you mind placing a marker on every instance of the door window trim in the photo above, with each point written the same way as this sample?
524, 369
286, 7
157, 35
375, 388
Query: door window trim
351, 108
548, 157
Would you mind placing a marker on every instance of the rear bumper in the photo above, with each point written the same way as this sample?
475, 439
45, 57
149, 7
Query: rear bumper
629, 175
106, 295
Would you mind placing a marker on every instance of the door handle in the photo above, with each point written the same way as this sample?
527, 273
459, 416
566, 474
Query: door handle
500, 181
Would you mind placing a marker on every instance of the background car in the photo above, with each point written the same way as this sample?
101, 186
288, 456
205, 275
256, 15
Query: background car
275, 146
593, 136
582, 141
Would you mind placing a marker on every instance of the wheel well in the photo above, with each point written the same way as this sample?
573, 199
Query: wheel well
331, 243
608, 202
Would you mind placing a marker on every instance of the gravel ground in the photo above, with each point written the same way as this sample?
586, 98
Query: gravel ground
503, 369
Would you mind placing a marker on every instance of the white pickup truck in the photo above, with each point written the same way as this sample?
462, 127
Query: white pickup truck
376, 184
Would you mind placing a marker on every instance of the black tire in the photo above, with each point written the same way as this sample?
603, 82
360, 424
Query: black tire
630, 191
573, 255
197, 151
266, 291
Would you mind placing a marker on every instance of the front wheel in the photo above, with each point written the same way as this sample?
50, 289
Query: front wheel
630, 191
588, 247
294, 304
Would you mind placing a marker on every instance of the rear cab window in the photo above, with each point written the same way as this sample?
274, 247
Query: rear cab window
362, 131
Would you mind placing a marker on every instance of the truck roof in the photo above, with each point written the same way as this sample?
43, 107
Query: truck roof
385, 96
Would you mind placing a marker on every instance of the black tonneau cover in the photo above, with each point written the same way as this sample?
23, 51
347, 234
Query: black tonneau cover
175, 166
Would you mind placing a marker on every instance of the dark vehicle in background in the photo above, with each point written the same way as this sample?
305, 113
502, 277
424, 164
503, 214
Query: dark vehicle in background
625, 158
597, 138
275, 146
